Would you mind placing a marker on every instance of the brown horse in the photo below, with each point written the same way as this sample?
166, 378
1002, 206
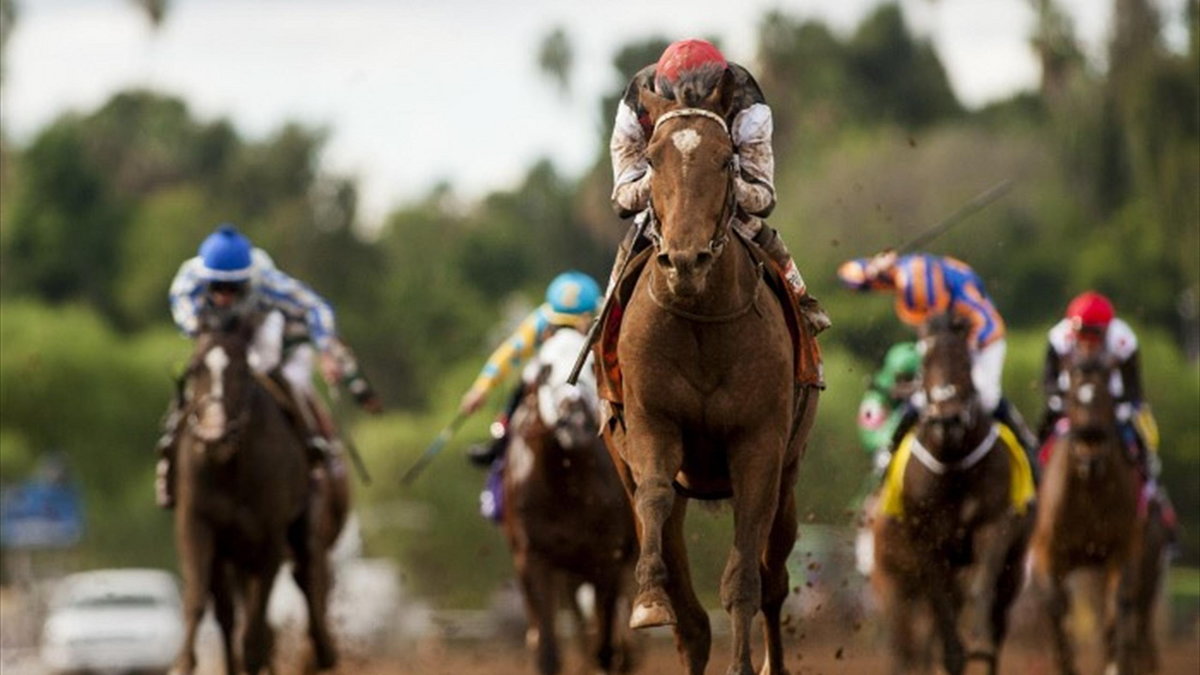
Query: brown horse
246, 497
710, 404
565, 514
1088, 516
949, 535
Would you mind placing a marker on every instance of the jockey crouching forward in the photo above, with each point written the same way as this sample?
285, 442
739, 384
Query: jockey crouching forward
1090, 328
571, 300
231, 277
697, 64
927, 285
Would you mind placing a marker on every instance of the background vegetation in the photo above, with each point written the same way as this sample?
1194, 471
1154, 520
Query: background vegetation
101, 206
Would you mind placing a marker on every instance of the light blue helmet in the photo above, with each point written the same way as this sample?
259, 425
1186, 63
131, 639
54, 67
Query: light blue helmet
226, 255
573, 293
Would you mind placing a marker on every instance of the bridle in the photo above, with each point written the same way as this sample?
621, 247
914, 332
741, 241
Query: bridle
721, 237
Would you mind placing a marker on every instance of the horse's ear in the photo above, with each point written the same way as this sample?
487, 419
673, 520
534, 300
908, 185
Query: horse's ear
720, 98
654, 104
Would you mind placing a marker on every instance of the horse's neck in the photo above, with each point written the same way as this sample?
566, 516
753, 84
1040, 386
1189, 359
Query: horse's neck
730, 285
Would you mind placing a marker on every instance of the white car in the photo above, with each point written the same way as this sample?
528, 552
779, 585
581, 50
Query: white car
113, 621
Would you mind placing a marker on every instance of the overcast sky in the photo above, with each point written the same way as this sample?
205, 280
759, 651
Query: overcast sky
417, 91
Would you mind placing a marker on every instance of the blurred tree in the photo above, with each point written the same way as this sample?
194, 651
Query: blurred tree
900, 78
556, 57
8, 16
156, 10
66, 222
1057, 48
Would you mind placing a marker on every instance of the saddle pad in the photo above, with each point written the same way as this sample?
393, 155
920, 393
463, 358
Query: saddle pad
807, 351
1021, 489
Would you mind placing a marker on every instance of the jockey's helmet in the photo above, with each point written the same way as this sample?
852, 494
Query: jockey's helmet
899, 365
684, 56
226, 255
573, 293
1090, 313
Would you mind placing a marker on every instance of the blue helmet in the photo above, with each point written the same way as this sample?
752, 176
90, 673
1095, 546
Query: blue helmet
573, 293
226, 255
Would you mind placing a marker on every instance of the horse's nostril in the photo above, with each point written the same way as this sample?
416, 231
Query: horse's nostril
703, 258
664, 260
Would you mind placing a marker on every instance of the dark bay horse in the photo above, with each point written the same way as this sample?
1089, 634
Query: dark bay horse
246, 498
566, 517
710, 402
952, 523
1088, 517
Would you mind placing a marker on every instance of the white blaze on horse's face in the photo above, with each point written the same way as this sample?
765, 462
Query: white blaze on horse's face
686, 141
212, 417
1087, 393
942, 393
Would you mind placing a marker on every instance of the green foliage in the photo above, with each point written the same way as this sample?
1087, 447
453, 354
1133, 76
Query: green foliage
69, 384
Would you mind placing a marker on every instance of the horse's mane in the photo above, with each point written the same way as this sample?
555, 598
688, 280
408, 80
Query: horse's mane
693, 86
945, 323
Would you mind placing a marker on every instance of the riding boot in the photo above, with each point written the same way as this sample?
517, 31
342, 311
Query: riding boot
772, 244
1008, 415
905, 425
630, 244
485, 454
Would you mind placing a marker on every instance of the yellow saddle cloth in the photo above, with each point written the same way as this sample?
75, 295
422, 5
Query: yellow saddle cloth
1021, 488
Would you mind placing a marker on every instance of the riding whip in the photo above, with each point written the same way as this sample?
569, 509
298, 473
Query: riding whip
360, 467
639, 225
970, 208
434, 448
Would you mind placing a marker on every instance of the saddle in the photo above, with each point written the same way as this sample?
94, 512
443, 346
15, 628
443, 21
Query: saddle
807, 352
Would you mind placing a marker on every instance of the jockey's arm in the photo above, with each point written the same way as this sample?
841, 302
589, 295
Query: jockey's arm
754, 181
631, 170
855, 274
184, 297
511, 353
1131, 378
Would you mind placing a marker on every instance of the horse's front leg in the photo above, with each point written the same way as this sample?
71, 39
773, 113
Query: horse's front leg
258, 637
693, 634
655, 455
755, 465
312, 574
990, 544
194, 541
539, 585
774, 572
223, 592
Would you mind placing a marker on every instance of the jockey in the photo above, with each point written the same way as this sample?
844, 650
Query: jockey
927, 285
886, 402
230, 276
1092, 327
571, 300
694, 67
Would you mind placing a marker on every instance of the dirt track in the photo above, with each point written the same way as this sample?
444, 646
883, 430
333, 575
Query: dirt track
1179, 658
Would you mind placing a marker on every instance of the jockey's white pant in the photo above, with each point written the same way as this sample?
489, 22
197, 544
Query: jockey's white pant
987, 366
267, 351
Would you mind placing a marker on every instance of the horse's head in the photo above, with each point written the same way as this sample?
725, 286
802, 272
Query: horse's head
567, 411
1091, 412
216, 385
952, 406
691, 184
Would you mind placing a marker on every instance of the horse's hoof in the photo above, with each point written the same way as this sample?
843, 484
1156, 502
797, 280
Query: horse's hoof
649, 615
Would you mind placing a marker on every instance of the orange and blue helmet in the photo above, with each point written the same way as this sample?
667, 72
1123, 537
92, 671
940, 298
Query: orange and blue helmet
573, 292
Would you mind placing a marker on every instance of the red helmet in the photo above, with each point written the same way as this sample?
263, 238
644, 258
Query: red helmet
685, 55
1090, 310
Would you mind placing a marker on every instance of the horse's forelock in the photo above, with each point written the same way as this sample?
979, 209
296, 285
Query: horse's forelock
692, 86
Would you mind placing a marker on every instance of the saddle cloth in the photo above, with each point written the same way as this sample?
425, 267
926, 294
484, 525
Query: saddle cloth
1021, 488
807, 351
